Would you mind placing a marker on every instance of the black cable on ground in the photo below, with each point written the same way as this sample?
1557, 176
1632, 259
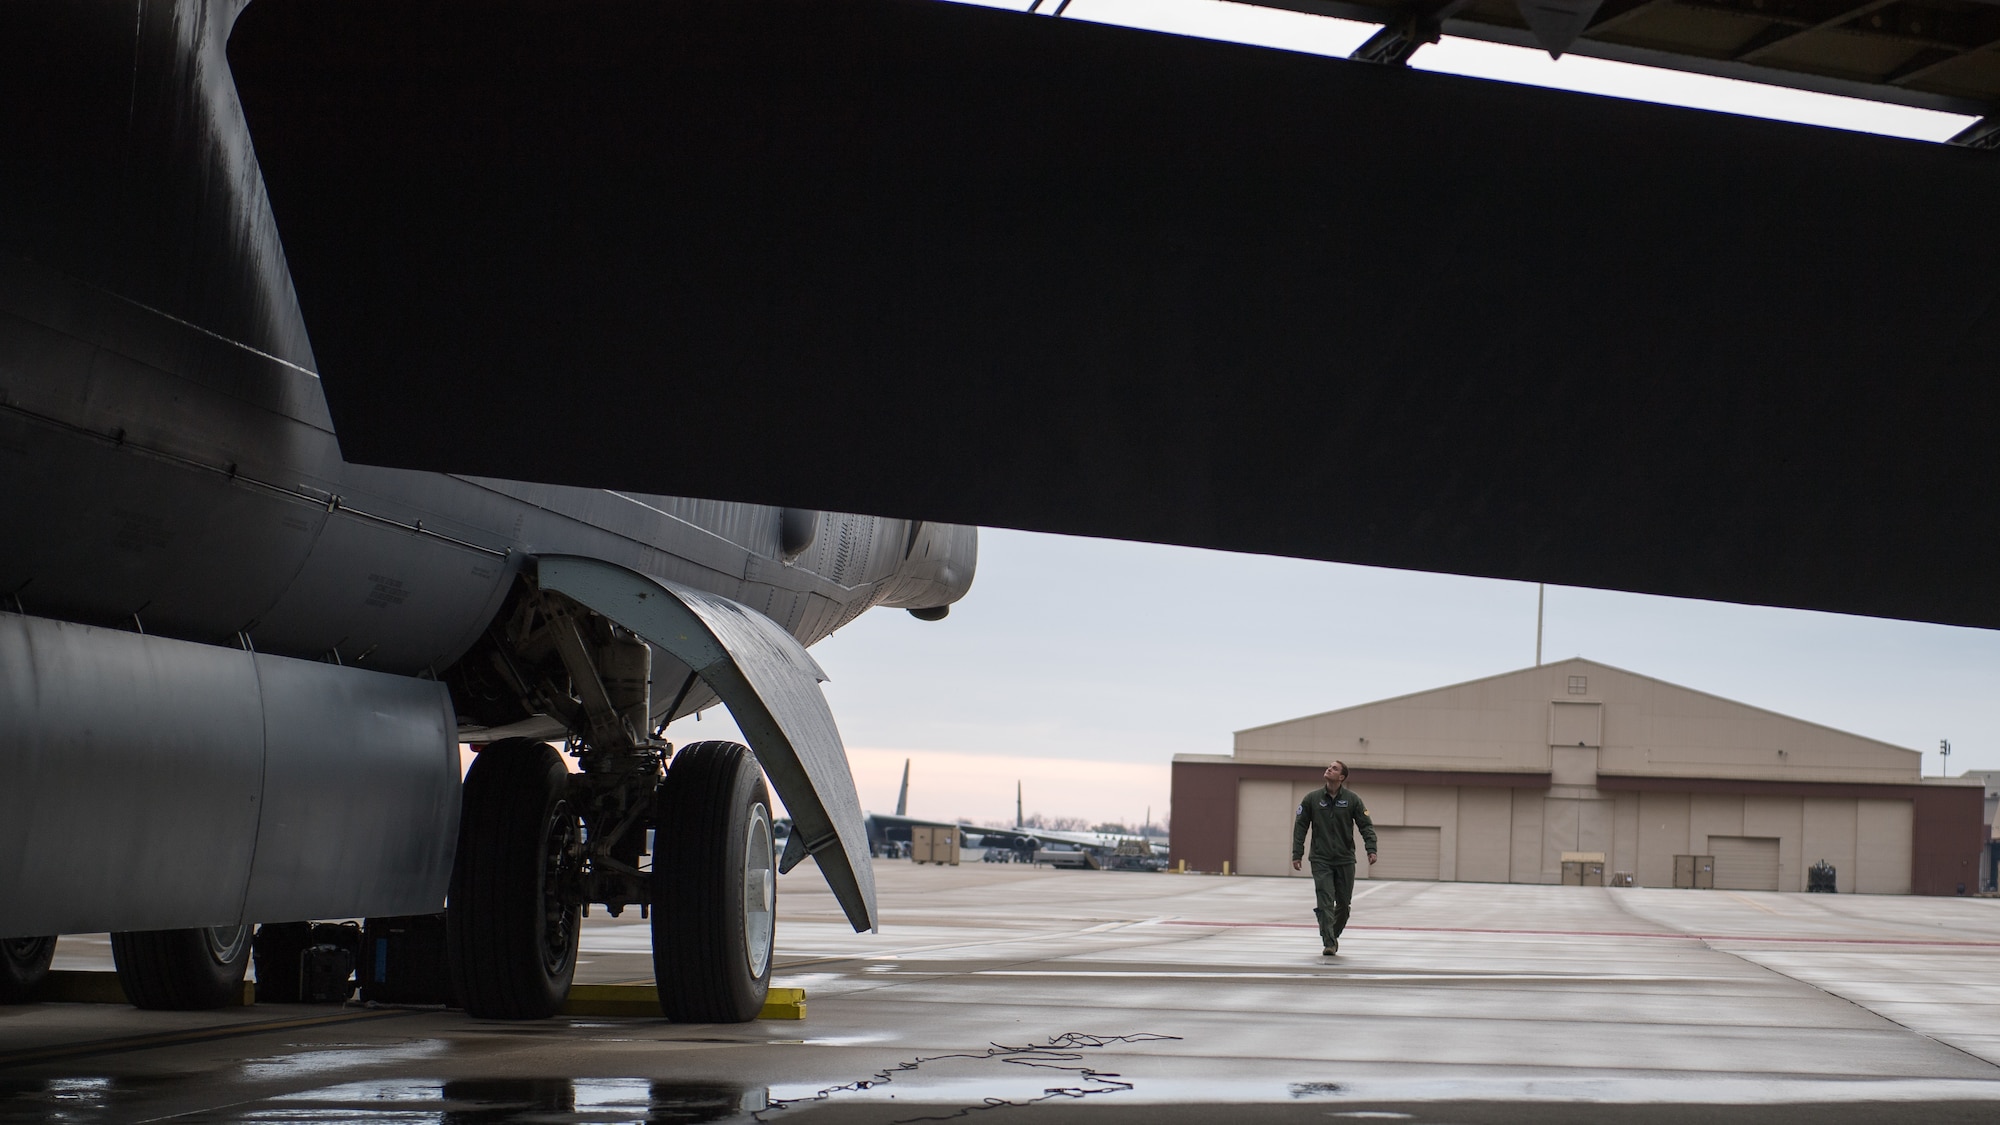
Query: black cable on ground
1061, 1053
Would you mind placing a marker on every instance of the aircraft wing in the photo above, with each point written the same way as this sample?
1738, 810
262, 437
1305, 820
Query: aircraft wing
1049, 274
1083, 839
891, 820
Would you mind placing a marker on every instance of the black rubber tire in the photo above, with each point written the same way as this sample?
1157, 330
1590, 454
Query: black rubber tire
712, 800
511, 941
182, 970
24, 962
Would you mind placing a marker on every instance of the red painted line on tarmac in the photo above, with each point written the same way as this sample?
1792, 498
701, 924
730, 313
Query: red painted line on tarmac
1606, 933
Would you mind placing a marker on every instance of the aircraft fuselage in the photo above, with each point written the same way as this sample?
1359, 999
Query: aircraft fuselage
167, 457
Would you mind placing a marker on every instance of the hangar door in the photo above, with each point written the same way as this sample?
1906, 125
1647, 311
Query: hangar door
1406, 853
1745, 863
1264, 827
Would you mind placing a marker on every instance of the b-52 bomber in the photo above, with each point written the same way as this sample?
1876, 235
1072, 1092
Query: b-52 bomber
235, 669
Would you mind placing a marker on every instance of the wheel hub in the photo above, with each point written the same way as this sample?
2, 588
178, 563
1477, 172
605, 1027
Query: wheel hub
760, 888
561, 858
225, 943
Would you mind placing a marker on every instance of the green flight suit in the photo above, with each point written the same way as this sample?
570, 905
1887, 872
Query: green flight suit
1332, 817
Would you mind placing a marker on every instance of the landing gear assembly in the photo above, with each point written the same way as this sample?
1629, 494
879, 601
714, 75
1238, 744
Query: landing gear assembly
539, 844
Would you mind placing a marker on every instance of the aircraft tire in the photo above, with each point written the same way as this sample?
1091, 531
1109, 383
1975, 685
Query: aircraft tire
715, 886
182, 970
24, 962
511, 934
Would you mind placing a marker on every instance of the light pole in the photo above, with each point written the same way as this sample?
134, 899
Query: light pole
1541, 599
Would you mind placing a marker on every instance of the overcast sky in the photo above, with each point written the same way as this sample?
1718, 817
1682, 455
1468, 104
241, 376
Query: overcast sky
1080, 667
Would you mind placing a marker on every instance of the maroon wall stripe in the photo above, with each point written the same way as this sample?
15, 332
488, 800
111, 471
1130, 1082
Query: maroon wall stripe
1755, 788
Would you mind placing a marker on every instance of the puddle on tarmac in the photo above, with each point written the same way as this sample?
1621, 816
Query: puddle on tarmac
857, 1039
507, 1101
313, 1059
55, 1100
512, 1101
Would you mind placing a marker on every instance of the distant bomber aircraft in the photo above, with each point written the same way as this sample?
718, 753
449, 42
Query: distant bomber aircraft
235, 669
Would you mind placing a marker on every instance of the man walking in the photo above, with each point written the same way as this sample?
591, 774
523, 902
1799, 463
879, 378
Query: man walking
1332, 814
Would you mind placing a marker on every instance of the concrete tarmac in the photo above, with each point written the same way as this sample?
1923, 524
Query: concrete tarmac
997, 993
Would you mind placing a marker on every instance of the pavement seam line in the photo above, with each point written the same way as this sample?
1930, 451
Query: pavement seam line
60, 1052
1708, 944
888, 979
1824, 991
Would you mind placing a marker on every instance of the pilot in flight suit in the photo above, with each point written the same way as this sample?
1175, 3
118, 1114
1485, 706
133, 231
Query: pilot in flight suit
1332, 813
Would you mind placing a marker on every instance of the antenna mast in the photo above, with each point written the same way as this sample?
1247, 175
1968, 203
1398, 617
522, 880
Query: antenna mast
1541, 596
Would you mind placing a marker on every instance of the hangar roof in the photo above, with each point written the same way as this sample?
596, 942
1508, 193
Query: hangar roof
1634, 725
1936, 54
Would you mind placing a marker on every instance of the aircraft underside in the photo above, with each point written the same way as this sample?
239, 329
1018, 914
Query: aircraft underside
235, 670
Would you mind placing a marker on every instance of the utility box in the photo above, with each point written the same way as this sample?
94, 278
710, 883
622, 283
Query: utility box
1696, 872
929, 844
1583, 869
306, 962
405, 961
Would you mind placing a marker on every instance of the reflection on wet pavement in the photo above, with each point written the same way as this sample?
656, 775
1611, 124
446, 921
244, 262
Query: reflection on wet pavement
510, 1101
91, 1099
482, 1101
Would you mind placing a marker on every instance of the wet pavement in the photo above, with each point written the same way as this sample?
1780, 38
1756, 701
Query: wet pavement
998, 993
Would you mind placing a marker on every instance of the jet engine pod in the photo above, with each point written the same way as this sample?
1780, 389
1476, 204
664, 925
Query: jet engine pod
159, 784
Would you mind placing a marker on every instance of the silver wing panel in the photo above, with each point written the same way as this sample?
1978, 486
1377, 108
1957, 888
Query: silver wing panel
770, 685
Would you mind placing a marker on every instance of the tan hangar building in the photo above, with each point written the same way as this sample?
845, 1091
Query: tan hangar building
1510, 778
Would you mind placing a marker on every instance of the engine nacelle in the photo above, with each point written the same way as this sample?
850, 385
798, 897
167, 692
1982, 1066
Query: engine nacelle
149, 783
936, 570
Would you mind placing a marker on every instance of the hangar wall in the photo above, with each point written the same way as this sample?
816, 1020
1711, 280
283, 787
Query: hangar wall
1502, 779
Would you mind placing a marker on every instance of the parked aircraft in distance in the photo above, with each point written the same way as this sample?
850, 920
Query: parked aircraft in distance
889, 835
235, 669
